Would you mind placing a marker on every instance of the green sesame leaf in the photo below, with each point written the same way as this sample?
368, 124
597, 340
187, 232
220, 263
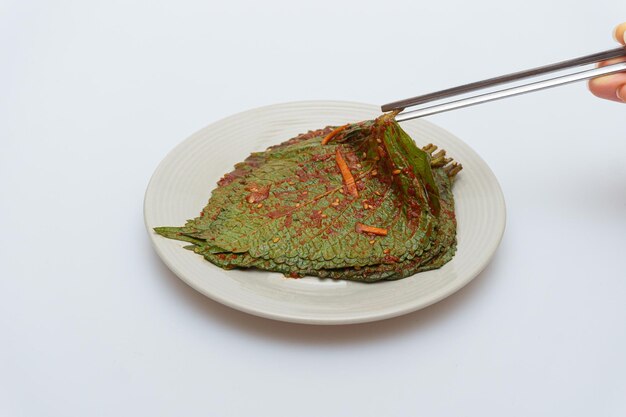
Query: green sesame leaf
291, 209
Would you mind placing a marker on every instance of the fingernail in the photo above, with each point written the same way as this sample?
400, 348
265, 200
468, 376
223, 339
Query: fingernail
619, 91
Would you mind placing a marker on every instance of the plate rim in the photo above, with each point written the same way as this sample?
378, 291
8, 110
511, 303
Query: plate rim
385, 314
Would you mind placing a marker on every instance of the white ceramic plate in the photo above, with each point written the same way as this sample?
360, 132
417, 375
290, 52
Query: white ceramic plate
182, 183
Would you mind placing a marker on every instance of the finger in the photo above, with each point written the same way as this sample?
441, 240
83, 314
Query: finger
609, 86
612, 87
620, 33
611, 61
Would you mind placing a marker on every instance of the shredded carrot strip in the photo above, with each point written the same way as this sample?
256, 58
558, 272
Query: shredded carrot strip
346, 174
363, 228
333, 134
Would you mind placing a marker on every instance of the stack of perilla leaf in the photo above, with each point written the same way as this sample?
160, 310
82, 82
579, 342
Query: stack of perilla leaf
359, 202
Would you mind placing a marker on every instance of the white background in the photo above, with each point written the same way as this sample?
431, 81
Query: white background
92, 97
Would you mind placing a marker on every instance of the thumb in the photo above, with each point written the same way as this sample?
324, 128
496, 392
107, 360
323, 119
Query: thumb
620, 33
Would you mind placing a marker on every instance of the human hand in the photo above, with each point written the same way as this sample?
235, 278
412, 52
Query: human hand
612, 87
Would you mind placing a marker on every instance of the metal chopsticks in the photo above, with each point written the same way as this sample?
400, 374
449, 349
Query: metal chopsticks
507, 92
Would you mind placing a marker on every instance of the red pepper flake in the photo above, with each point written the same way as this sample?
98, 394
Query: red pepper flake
346, 174
258, 194
363, 228
396, 171
390, 259
333, 134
